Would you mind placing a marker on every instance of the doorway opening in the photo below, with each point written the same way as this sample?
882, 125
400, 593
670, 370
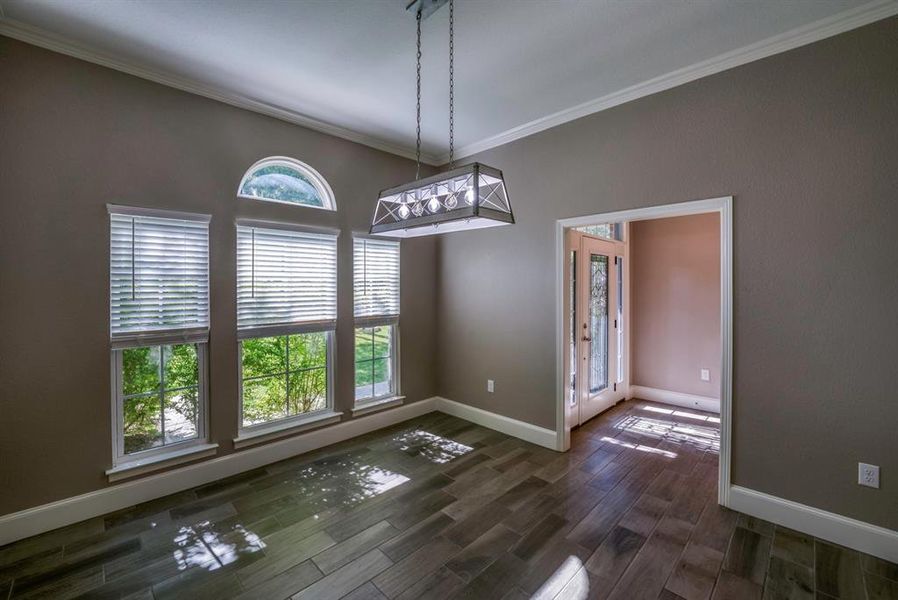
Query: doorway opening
596, 333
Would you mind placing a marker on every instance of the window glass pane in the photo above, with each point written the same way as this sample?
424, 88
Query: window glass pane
598, 322
383, 340
181, 415
283, 183
363, 378
269, 393
264, 356
374, 360
611, 231
383, 377
142, 423
363, 391
308, 390
264, 399
140, 370
169, 412
181, 368
308, 350
364, 344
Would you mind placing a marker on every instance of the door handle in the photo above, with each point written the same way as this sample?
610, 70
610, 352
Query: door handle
587, 339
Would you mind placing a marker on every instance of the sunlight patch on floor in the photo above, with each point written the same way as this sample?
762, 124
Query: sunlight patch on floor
640, 447
197, 546
371, 481
680, 413
433, 447
702, 436
571, 567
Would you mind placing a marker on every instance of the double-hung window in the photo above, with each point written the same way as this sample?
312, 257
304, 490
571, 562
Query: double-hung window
286, 316
159, 329
376, 311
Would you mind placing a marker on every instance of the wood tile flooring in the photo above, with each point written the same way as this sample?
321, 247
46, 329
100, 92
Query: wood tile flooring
440, 508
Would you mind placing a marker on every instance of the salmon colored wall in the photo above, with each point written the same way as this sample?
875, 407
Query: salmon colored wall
675, 303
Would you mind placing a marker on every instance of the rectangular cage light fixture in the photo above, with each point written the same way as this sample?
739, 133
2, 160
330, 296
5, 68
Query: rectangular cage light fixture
468, 197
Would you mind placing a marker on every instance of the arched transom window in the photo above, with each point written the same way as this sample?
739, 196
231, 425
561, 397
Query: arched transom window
283, 179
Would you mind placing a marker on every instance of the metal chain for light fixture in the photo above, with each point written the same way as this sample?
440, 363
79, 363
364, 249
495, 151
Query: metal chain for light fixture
451, 84
451, 197
418, 94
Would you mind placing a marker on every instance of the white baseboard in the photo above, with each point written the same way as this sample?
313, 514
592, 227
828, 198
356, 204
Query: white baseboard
705, 403
845, 531
852, 533
519, 429
32, 521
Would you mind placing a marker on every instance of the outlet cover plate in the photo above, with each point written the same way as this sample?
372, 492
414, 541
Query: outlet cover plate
706, 375
490, 386
868, 475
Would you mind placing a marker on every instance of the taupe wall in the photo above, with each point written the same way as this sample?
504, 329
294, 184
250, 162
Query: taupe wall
807, 143
675, 304
74, 136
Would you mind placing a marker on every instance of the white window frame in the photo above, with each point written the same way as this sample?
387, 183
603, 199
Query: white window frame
136, 463
260, 432
320, 183
395, 394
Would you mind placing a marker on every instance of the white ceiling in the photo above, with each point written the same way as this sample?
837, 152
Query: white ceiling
348, 65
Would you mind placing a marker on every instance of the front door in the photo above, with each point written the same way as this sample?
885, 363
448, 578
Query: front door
596, 317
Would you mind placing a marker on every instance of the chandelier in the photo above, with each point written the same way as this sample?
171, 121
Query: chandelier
462, 198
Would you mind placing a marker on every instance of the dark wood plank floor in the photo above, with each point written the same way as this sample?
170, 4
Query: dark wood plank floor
440, 508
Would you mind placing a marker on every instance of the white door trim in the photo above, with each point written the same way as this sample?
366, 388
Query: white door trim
724, 207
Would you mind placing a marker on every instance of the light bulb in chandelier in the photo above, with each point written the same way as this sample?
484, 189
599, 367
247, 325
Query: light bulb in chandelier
469, 195
404, 211
418, 209
433, 205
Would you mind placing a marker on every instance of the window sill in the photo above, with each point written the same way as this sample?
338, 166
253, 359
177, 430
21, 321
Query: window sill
376, 405
279, 430
160, 461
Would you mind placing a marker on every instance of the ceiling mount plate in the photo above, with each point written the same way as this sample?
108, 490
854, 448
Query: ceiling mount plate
427, 7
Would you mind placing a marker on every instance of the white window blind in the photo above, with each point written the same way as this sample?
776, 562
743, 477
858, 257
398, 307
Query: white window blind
159, 273
375, 278
286, 280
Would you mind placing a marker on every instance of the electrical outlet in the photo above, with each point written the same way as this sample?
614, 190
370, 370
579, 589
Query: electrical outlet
868, 475
490, 386
706, 374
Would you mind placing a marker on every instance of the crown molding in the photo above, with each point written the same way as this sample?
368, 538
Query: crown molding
794, 38
51, 41
800, 36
